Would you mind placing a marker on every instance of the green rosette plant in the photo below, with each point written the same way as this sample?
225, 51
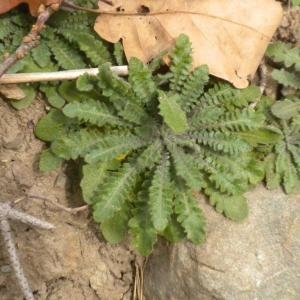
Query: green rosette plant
149, 144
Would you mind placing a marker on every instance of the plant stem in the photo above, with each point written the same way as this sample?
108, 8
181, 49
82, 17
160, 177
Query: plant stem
53, 76
67, 209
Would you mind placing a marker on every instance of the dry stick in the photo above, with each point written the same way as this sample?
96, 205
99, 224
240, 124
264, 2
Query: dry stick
32, 39
24, 218
60, 75
142, 277
6, 213
138, 288
62, 207
136, 282
14, 259
262, 76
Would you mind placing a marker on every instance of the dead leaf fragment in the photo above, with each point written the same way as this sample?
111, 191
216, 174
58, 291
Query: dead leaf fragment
230, 36
7, 5
12, 91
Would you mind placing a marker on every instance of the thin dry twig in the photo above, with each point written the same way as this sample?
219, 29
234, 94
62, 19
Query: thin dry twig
62, 207
138, 288
54, 76
14, 259
262, 76
7, 213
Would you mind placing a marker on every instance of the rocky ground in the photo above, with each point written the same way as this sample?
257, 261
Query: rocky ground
257, 259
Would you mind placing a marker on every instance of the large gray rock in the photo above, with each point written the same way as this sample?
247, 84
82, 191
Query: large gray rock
258, 259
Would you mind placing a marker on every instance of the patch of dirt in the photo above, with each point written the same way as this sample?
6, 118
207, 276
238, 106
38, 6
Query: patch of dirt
289, 31
72, 260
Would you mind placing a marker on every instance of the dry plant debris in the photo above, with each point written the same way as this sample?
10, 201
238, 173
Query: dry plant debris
12, 91
7, 213
230, 36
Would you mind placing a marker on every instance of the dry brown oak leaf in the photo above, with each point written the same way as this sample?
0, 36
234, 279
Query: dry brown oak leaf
230, 36
7, 5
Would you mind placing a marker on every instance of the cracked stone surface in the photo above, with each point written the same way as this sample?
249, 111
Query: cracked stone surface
258, 259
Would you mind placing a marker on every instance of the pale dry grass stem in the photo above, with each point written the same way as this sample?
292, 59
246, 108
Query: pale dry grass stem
7, 213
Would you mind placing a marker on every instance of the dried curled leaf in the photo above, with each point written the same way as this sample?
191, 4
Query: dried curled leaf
7, 5
12, 91
230, 36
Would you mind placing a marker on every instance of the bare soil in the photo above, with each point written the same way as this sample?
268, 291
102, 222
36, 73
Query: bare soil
72, 260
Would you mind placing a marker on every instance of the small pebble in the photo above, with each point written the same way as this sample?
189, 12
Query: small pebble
6, 269
61, 181
15, 143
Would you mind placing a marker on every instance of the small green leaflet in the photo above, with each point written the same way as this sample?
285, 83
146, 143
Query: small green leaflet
190, 217
114, 192
115, 229
142, 230
160, 196
30, 95
51, 126
172, 113
49, 161
83, 83
92, 178
286, 78
296, 2
53, 97
174, 232
286, 109
233, 207
91, 111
